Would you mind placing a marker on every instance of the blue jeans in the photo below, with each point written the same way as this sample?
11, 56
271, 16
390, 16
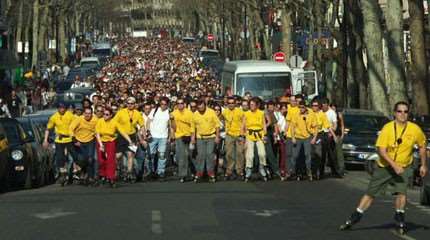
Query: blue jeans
158, 146
86, 150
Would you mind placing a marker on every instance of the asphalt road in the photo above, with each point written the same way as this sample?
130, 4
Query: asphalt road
225, 210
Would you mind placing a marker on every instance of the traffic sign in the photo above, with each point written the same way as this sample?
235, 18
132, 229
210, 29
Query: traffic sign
279, 57
211, 37
296, 61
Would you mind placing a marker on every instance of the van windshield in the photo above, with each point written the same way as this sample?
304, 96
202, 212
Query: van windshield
264, 85
102, 52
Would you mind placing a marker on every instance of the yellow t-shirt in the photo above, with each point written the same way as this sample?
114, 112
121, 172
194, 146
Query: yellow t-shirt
129, 120
61, 123
107, 129
304, 127
183, 121
205, 124
254, 121
400, 153
233, 121
291, 114
322, 122
84, 131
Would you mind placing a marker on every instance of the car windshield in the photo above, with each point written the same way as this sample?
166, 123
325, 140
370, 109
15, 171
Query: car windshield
89, 64
264, 85
27, 127
209, 54
64, 86
12, 132
364, 123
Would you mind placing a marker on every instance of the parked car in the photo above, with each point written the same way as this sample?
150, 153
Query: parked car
425, 187
20, 165
4, 159
43, 162
362, 128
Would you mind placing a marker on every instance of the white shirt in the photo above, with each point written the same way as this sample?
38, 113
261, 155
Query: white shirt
281, 121
159, 124
332, 117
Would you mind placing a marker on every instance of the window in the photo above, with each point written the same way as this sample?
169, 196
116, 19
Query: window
264, 85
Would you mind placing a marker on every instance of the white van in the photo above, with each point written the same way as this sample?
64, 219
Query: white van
267, 79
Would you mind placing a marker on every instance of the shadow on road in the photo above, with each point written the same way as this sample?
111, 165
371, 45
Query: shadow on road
410, 226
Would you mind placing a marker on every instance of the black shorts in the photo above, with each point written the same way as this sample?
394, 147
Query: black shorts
122, 144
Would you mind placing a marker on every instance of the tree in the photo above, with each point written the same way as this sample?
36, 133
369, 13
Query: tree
396, 56
375, 64
419, 73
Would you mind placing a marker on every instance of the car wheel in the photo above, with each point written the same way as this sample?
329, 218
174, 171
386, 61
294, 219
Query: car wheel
370, 167
424, 195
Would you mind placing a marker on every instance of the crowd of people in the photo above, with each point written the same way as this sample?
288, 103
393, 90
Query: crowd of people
157, 106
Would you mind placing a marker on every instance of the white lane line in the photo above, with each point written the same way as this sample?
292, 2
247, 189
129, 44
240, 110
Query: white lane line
53, 213
156, 222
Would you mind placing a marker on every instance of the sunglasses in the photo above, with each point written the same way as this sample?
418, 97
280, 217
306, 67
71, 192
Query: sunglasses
107, 114
400, 111
217, 109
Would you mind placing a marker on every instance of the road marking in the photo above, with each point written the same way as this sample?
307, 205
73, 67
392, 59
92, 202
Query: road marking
156, 222
406, 237
53, 213
264, 213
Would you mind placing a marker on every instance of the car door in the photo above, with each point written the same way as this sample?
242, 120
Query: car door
4, 149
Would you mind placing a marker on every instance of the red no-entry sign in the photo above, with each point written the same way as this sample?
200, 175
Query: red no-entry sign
211, 37
279, 57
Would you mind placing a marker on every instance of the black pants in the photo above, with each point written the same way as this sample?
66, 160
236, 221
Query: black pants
60, 156
328, 154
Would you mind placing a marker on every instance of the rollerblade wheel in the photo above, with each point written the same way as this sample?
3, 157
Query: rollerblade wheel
345, 226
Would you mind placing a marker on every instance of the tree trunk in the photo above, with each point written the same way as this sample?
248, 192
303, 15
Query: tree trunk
357, 79
375, 67
419, 71
43, 38
286, 31
35, 31
396, 66
19, 24
62, 37
310, 55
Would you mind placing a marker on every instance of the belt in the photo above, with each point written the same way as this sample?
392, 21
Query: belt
61, 136
255, 133
207, 135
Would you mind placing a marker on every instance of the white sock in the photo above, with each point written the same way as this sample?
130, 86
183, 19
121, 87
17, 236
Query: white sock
400, 210
360, 210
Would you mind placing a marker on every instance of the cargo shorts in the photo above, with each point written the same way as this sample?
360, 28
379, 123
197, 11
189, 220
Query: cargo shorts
385, 176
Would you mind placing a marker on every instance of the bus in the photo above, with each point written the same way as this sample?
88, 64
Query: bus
267, 79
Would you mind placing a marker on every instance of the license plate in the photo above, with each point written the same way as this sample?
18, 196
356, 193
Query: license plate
362, 156
19, 168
